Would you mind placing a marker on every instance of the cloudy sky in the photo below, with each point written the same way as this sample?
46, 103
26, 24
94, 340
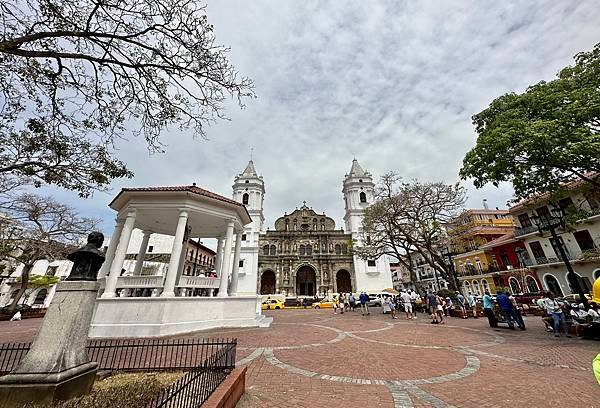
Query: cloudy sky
393, 84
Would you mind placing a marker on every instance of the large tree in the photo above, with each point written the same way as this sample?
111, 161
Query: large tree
75, 76
37, 228
543, 137
410, 217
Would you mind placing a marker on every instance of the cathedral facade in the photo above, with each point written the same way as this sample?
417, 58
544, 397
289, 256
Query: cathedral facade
306, 255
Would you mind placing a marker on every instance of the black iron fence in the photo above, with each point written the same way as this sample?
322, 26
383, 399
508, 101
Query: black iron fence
194, 388
134, 354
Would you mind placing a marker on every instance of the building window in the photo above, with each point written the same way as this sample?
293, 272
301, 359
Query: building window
273, 250
302, 250
245, 199
266, 250
40, 297
537, 250
532, 284
241, 263
338, 249
243, 237
371, 263
515, 288
309, 250
344, 249
479, 266
51, 271
584, 240
363, 197
553, 285
150, 248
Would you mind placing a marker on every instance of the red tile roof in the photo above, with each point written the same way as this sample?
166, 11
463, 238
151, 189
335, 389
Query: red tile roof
191, 189
504, 239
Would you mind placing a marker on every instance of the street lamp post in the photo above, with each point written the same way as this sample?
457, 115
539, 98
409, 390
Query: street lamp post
550, 223
449, 253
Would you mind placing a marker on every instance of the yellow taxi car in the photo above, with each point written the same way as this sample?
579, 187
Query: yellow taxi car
272, 304
323, 304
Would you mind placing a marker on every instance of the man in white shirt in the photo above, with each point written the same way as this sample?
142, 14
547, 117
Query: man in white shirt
413, 302
554, 309
579, 317
407, 302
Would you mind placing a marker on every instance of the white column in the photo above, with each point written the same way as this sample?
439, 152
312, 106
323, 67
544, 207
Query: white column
226, 263
169, 289
236, 265
219, 256
139, 262
112, 247
120, 252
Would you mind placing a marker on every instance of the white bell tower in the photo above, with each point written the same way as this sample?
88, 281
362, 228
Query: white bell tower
359, 192
249, 189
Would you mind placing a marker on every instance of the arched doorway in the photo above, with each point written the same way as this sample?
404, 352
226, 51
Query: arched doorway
343, 281
267, 283
306, 281
553, 285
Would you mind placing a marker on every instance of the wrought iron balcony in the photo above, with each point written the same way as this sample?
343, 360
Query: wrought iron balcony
525, 230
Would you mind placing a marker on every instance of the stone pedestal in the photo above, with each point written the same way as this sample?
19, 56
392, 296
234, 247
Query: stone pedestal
57, 366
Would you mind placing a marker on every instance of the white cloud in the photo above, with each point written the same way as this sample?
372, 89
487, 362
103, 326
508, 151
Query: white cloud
393, 83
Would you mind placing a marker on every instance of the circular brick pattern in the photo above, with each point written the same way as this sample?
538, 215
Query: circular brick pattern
373, 361
425, 335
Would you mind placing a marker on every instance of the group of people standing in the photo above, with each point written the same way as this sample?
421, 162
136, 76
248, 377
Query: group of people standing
347, 302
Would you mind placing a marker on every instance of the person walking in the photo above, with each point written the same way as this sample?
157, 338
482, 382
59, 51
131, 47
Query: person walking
335, 305
448, 305
392, 306
352, 301
364, 300
461, 304
413, 303
343, 303
432, 306
508, 310
440, 309
472, 303
488, 309
407, 300
554, 309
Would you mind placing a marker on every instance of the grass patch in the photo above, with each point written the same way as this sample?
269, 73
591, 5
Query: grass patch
120, 391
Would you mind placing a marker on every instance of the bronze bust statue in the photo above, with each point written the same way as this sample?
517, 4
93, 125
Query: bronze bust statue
88, 259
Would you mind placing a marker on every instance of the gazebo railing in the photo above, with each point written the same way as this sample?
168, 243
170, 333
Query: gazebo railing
198, 282
142, 281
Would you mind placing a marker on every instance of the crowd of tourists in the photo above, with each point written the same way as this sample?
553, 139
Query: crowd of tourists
557, 314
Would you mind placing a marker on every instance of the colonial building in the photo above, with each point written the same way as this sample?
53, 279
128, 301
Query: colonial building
305, 254
580, 240
470, 231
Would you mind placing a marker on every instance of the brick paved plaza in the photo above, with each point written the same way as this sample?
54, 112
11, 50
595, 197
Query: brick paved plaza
311, 358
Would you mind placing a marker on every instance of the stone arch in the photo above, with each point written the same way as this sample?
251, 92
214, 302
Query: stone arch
532, 284
306, 280
343, 281
267, 283
553, 285
515, 286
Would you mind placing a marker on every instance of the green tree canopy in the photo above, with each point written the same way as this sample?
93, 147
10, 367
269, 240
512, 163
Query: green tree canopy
543, 137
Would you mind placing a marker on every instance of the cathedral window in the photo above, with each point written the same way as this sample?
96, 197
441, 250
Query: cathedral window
273, 250
302, 250
363, 197
344, 249
338, 249
266, 250
371, 262
245, 199
309, 250
247, 181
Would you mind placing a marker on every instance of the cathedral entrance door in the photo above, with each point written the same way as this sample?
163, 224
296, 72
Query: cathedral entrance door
267, 283
343, 281
306, 281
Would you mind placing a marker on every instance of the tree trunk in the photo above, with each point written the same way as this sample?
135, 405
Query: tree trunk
24, 284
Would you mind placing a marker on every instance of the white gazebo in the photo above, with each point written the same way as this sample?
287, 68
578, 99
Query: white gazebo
169, 306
